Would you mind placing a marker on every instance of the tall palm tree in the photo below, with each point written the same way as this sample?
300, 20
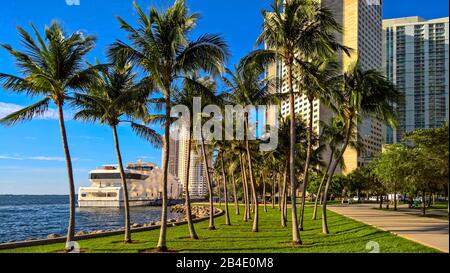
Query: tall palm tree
161, 47
245, 87
225, 188
359, 93
283, 157
232, 168
51, 66
114, 98
193, 87
314, 84
295, 31
333, 135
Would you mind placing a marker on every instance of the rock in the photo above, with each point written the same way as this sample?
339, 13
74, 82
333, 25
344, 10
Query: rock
136, 226
172, 221
52, 236
80, 233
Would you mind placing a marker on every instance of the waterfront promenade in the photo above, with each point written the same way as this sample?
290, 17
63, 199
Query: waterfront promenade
424, 230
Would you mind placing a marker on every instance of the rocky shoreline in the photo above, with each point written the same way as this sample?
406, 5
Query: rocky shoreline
197, 212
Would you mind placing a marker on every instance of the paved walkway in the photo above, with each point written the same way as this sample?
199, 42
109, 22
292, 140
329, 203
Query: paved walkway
427, 231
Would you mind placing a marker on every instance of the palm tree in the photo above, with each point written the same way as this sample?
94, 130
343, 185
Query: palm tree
192, 87
283, 157
225, 188
359, 94
333, 135
110, 100
233, 166
161, 47
294, 31
246, 88
315, 85
51, 67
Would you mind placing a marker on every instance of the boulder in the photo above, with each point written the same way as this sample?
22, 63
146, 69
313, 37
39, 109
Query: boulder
52, 236
136, 226
80, 233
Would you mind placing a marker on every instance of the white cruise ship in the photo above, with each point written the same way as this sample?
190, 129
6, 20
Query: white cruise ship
143, 181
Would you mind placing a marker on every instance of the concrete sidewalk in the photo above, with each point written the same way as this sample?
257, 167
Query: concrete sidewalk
427, 231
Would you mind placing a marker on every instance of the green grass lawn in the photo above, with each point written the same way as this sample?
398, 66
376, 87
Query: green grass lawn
347, 236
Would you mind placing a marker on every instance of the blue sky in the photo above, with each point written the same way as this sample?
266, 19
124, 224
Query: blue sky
31, 157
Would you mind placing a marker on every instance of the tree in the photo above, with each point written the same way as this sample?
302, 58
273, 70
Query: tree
245, 87
51, 66
114, 98
392, 168
359, 181
192, 87
359, 94
333, 135
161, 47
294, 31
316, 78
433, 144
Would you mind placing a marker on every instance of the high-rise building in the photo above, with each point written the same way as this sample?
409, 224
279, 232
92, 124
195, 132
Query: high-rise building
416, 60
197, 171
178, 154
362, 24
174, 155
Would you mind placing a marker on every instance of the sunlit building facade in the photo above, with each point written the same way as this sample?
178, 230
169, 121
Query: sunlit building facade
362, 23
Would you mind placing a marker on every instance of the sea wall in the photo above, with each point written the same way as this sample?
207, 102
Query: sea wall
198, 217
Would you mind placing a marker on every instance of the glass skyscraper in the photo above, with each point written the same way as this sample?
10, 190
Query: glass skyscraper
416, 59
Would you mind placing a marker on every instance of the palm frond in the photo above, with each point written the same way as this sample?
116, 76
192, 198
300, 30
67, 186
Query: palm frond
27, 113
148, 134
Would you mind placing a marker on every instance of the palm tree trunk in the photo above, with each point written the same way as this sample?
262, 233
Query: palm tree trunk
264, 193
272, 195
71, 228
245, 188
210, 188
224, 180
308, 162
236, 201
126, 200
283, 197
162, 243
219, 193
252, 182
192, 234
279, 192
295, 232
319, 191
325, 229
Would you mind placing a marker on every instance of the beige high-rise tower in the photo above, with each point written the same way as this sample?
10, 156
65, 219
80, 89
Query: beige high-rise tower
362, 23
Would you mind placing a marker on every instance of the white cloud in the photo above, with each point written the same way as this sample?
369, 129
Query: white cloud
34, 158
46, 158
50, 114
92, 138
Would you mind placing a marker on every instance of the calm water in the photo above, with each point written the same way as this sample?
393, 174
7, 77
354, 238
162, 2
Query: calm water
35, 217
